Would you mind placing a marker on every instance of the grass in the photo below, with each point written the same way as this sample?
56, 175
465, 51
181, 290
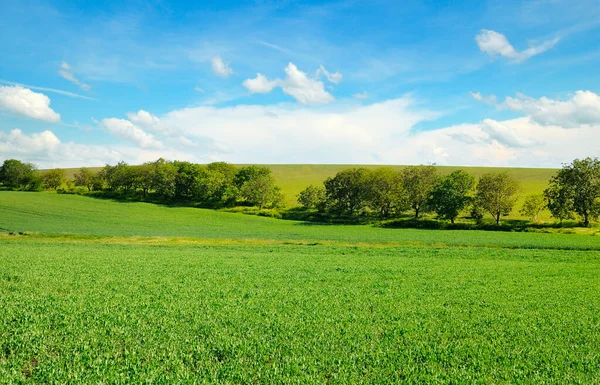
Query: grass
293, 178
89, 313
97, 291
55, 214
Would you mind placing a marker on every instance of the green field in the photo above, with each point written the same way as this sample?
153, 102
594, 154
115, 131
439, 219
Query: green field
293, 178
96, 291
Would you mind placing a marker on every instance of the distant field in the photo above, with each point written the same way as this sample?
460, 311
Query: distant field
97, 291
293, 178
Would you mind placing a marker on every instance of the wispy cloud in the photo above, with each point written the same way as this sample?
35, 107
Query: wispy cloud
60, 92
494, 44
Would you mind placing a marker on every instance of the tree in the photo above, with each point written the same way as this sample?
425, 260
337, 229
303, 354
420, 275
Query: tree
312, 197
143, 176
53, 179
217, 186
261, 191
451, 194
497, 194
164, 178
533, 206
187, 181
84, 177
385, 192
418, 181
347, 192
247, 173
17, 174
576, 187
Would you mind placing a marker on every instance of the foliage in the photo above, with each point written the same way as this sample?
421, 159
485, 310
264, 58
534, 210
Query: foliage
418, 181
260, 190
53, 179
385, 191
576, 188
347, 192
312, 197
451, 194
16, 174
87, 178
497, 194
533, 206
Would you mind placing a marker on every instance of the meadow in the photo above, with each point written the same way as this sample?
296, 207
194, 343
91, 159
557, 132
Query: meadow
97, 291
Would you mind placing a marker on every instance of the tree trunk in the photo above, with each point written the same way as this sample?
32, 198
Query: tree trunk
452, 220
417, 213
498, 218
586, 219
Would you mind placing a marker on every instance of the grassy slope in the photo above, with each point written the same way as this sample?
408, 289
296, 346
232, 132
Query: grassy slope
293, 178
55, 214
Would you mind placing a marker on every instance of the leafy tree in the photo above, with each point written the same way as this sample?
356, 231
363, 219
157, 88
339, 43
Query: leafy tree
261, 191
17, 174
143, 177
497, 194
347, 192
187, 181
164, 178
217, 187
418, 181
576, 187
312, 197
451, 194
533, 206
385, 192
85, 177
53, 179
247, 173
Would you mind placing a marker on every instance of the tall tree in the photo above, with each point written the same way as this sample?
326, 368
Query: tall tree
497, 193
312, 197
84, 177
576, 187
418, 181
451, 194
261, 191
533, 206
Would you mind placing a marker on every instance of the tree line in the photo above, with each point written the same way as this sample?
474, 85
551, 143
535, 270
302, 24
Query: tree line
573, 192
214, 185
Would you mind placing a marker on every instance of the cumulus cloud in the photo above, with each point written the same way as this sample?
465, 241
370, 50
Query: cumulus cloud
581, 108
260, 84
297, 84
129, 131
23, 101
494, 44
334, 78
220, 68
67, 73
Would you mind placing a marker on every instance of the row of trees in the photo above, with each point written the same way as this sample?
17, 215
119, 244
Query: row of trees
214, 185
574, 190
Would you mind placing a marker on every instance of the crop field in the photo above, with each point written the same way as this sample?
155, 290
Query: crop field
96, 291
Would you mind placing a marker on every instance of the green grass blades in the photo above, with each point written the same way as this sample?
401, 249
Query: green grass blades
122, 314
68, 214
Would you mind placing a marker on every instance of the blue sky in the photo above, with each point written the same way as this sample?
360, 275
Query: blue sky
497, 83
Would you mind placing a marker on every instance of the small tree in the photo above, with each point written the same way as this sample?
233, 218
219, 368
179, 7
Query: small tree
347, 191
385, 192
451, 194
84, 177
560, 202
418, 181
533, 206
53, 179
312, 197
576, 188
497, 194
17, 174
261, 191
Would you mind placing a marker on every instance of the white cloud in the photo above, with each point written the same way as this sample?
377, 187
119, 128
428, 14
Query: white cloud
221, 68
199, 89
66, 72
296, 84
582, 108
490, 99
60, 92
494, 43
334, 78
129, 131
361, 95
260, 84
23, 101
